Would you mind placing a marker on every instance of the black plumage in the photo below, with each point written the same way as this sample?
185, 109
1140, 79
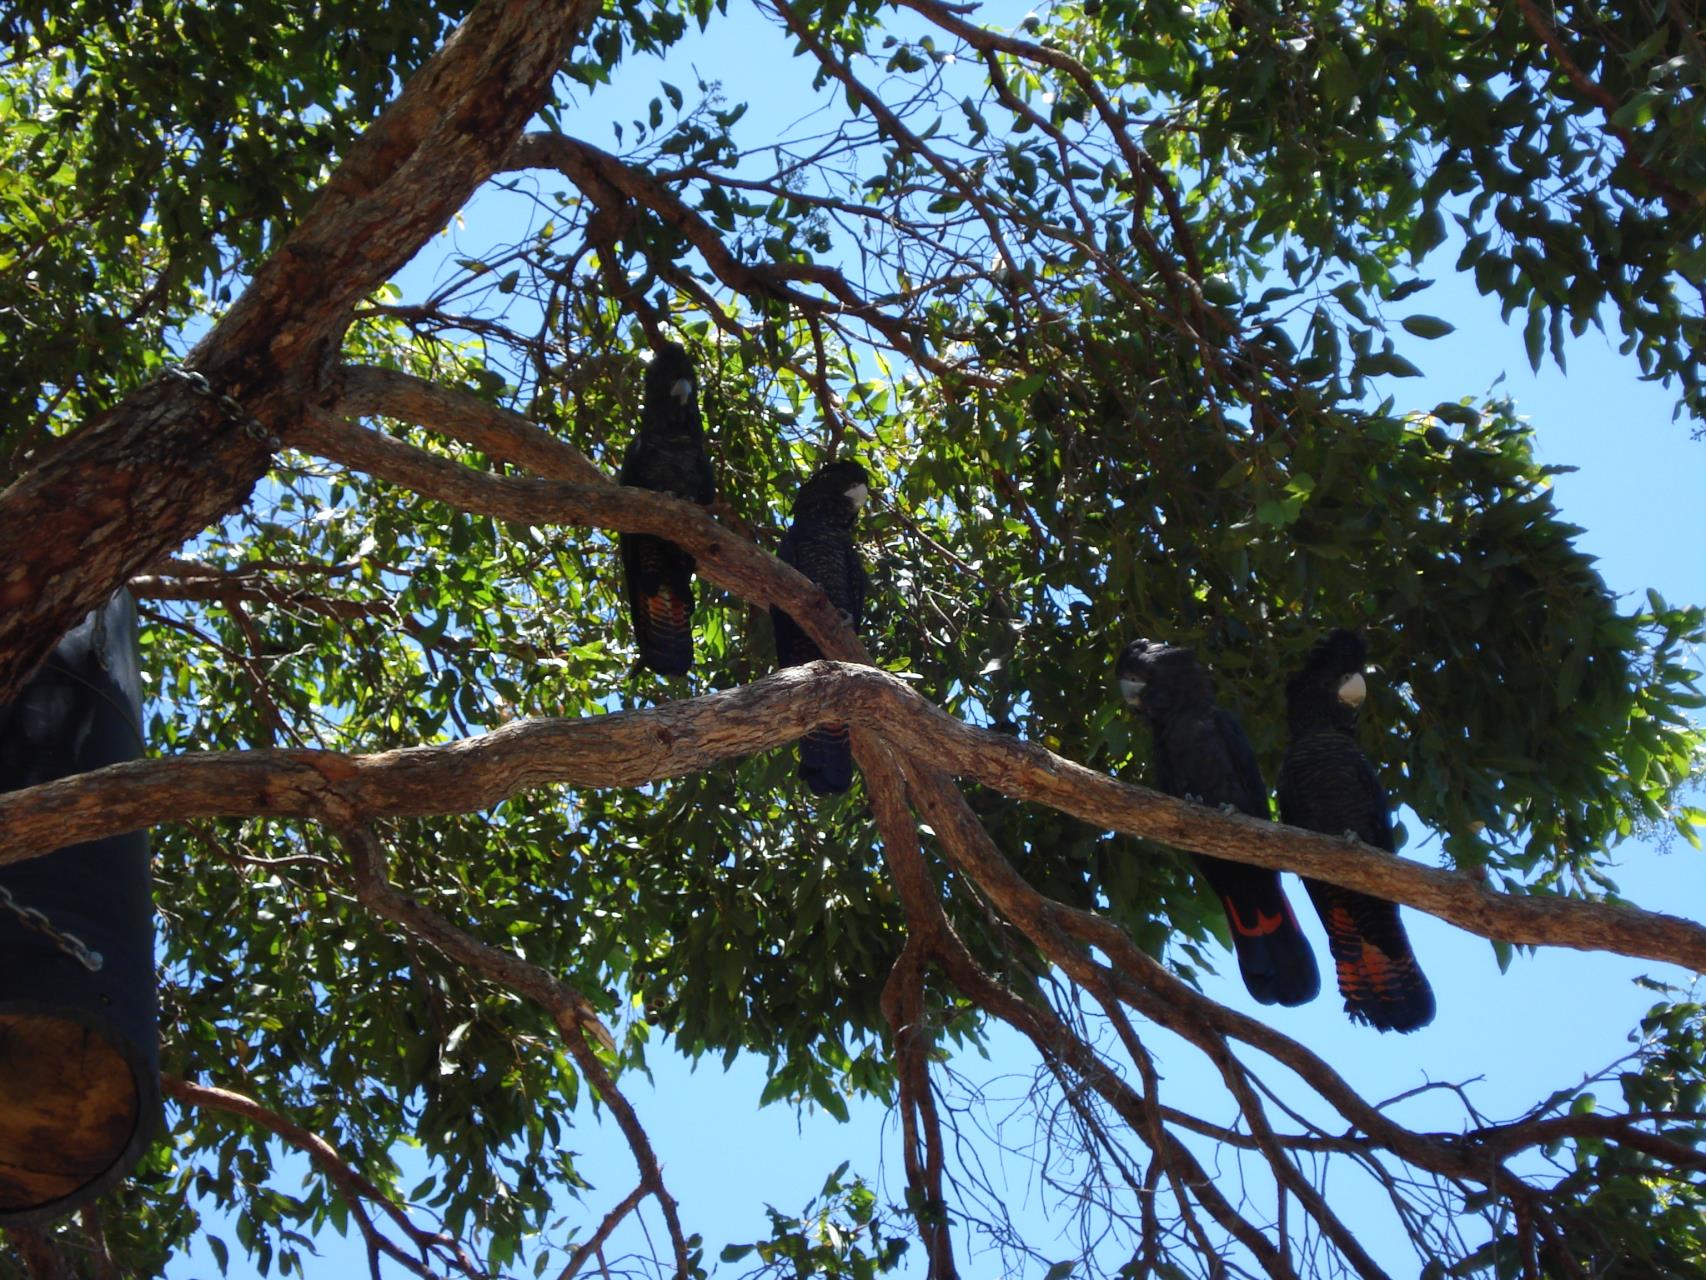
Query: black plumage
819, 543
667, 455
1201, 752
1326, 784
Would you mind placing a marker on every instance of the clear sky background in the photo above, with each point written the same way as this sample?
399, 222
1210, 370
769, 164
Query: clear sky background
1554, 1018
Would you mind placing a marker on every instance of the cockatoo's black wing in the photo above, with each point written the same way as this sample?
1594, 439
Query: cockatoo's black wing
820, 545
1274, 956
658, 576
668, 456
792, 646
1328, 785
1201, 752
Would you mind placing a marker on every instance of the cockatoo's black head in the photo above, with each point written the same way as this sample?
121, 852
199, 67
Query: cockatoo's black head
835, 493
1330, 686
1161, 680
671, 386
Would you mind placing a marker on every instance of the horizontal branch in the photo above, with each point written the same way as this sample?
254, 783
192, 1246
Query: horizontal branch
501, 433
624, 749
628, 748
723, 558
1026, 771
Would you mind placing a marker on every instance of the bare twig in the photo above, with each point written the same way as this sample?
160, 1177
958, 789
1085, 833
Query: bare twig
593, 1243
357, 1191
575, 1018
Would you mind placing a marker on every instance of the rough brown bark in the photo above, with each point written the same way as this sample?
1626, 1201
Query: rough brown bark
118, 494
628, 748
501, 433
723, 557
166, 462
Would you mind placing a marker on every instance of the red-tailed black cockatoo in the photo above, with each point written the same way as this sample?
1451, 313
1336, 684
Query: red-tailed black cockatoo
1326, 784
667, 455
1201, 754
819, 544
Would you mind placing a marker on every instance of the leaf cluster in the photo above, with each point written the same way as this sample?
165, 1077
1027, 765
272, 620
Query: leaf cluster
1093, 414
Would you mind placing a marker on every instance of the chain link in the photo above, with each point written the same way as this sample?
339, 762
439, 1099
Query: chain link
228, 405
69, 943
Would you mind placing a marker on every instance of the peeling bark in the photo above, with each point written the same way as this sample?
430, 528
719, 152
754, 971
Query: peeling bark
628, 748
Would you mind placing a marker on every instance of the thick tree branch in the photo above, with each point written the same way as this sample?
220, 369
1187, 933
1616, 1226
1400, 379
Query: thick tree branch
724, 558
632, 747
922, 1149
406, 176
1068, 938
459, 414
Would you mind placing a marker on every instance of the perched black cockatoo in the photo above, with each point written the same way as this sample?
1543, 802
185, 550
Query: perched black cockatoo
1201, 753
820, 545
1326, 784
668, 455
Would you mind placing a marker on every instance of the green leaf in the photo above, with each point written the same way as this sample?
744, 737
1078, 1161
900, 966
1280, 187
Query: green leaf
1427, 326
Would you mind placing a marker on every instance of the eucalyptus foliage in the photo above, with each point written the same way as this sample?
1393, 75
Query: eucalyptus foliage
1111, 401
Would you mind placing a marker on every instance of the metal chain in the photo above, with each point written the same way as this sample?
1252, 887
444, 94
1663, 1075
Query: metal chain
228, 405
69, 943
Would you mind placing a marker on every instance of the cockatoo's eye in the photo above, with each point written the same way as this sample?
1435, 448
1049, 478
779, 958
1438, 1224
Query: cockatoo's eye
1353, 689
1131, 690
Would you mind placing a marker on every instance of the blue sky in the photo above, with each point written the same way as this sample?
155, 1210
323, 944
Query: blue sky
1553, 1018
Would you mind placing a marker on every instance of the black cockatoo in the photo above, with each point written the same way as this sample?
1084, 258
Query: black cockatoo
819, 544
1326, 784
668, 455
1201, 753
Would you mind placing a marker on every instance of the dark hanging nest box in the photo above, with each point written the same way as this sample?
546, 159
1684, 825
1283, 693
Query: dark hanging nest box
79, 1047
